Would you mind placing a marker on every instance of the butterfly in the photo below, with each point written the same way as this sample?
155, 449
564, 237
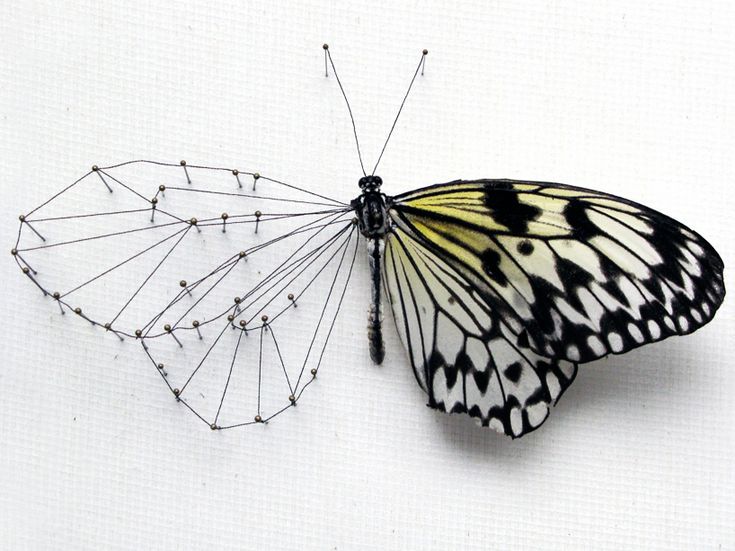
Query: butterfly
499, 288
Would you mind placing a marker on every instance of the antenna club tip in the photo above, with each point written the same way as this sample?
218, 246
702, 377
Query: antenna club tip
425, 51
325, 46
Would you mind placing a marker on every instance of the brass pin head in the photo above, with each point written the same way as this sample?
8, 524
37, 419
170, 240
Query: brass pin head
95, 168
182, 162
182, 283
77, 310
264, 318
195, 323
167, 328
193, 221
160, 366
230, 317
313, 372
14, 251
243, 323
161, 188
56, 295
235, 172
225, 216
25, 270
258, 419
138, 332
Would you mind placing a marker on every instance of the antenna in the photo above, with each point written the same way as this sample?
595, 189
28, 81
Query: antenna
419, 67
328, 56
328, 61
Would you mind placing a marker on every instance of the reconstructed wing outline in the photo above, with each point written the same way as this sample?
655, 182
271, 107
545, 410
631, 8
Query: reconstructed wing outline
568, 273
143, 250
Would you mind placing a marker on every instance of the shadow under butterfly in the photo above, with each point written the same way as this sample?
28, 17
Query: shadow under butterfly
499, 288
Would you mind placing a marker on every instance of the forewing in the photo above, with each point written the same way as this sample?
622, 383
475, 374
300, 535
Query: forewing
464, 355
577, 274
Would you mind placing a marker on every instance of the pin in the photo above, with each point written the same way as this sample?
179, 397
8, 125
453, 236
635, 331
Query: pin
313, 373
27, 271
292, 299
15, 253
57, 297
108, 327
183, 164
194, 223
236, 173
78, 312
154, 201
243, 323
423, 61
96, 169
258, 419
169, 330
213, 426
231, 319
162, 190
258, 214
177, 393
162, 370
292, 399
22, 218
195, 324
256, 176
326, 71
224, 217
241, 255
183, 284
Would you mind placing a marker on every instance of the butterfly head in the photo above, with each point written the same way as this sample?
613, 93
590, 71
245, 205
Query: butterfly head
370, 183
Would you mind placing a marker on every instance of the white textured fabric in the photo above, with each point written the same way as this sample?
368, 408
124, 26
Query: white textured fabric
630, 98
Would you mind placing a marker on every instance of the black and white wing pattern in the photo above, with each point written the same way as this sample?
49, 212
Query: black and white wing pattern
500, 287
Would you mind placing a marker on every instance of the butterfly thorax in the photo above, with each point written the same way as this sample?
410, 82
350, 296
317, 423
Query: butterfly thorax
370, 207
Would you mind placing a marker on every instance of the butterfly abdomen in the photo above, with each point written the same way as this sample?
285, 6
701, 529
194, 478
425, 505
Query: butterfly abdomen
376, 248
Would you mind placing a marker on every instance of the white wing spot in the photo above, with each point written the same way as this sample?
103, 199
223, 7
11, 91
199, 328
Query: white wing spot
516, 421
537, 413
695, 248
596, 345
654, 329
696, 315
615, 341
496, 425
683, 323
573, 353
706, 309
668, 322
553, 385
635, 333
